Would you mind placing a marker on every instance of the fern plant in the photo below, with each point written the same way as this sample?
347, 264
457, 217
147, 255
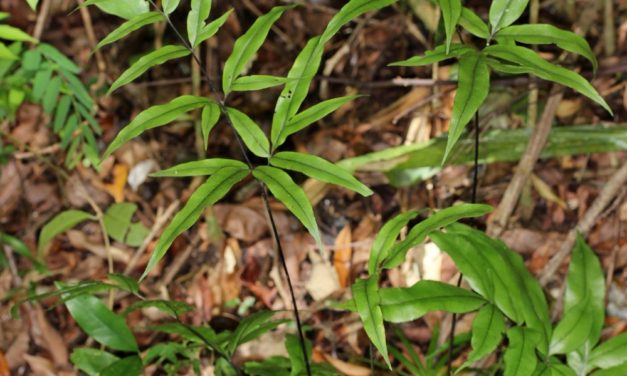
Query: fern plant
55, 85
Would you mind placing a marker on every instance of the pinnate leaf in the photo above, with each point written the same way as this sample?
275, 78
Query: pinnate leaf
213, 189
291, 195
320, 169
472, 90
156, 116
366, 297
249, 131
146, 62
129, 26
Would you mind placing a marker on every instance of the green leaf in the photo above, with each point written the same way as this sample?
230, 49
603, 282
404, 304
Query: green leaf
610, 353
210, 116
129, 26
137, 232
6, 53
434, 56
472, 90
320, 169
573, 330
22, 249
154, 117
212, 28
349, 12
213, 189
126, 9
619, 370
60, 223
294, 350
33, 4
146, 62
310, 116
538, 66
247, 45
292, 196
249, 131
169, 307
57, 57
252, 327
470, 21
441, 218
129, 366
202, 167
500, 67
14, 34
385, 239
487, 331
197, 334
407, 304
51, 95
520, 357
100, 323
63, 109
124, 282
451, 11
92, 361
169, 6
257, 82
196, 17
366, 296
549, 34
117, 219
505, 12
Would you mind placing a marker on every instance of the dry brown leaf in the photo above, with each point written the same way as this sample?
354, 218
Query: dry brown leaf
343, 255
40, 366
346, 368
4, 366
51, 338
17, 350
568, 107
116, 188
323, 280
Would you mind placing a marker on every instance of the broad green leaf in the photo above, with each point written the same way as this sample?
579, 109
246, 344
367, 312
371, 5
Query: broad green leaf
100, 323
407, 304
296, 88
520, 356
545, 70
291, 195
505, 12
294, 350
169, 307
573, 330
252, 327
610, 353
31, 60
60, 223
249, 131
14, 34
549, 34
200, 168
487, 332
6, 53
197, 334
349, 12
117, 219
366, 296
436, 55
470, 21
51, 95
129, 366
57, 57
4, 15
212, 28
213, 189
169, 6
210, 116
451, 11
125, 283
257, 82
472, 90
320, 169
196, 18
441, 218
126, 9
137, 232
22, 249
146, 62
40, 85
129, 26
246, 46
310, 116
155, 116
92, 361
385, 239
619, 370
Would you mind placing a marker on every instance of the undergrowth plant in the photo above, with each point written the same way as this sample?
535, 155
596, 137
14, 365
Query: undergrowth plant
43, 75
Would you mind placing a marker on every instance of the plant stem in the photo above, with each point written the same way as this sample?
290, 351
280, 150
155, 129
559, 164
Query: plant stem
220, 100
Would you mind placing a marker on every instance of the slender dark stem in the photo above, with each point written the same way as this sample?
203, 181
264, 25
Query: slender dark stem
473, 199
221, 99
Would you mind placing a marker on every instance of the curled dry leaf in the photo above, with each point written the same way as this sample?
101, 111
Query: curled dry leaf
343, 255
116, 188
346, 368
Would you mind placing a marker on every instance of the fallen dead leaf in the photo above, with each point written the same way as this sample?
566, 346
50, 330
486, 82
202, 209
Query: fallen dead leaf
4, 366
120, 176
52, 340
15, 354
324, 280
80, 241
40, 366
343, 255
346, 368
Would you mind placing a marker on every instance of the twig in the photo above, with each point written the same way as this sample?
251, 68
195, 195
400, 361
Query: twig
525, 166
609, 191
93, 42
41, 19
